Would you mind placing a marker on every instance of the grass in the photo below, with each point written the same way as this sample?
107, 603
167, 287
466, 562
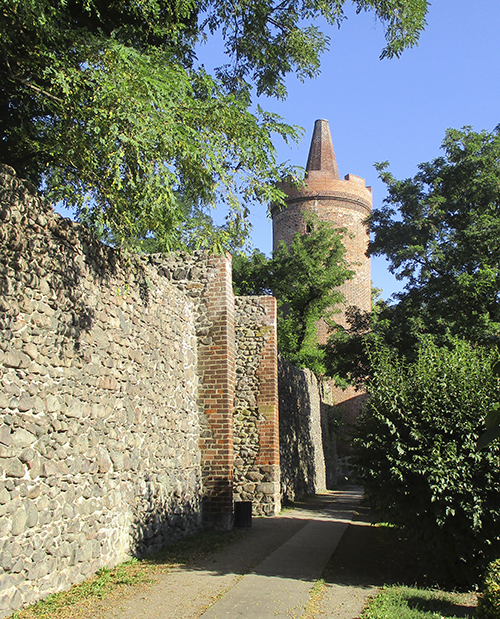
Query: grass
398, 602
67, 604
312, 606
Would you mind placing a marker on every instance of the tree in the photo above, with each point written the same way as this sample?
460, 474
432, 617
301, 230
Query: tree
441, 231
104, 106
304, 278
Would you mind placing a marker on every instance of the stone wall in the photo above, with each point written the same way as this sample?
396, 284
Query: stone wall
139, 400
312, 426
256, 437
99, 424
207, 280
303, 469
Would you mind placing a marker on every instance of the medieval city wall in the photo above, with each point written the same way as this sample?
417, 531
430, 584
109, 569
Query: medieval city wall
138, 399
99, 424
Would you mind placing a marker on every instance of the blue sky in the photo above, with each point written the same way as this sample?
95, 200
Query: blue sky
391, 110
395, 110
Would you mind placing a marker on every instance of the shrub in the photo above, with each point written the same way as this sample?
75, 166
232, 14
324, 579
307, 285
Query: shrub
415, 453
488, 606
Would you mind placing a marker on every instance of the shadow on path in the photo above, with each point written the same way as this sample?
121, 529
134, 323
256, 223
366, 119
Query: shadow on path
369, 557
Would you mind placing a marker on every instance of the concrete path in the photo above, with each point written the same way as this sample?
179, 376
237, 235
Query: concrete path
279, 587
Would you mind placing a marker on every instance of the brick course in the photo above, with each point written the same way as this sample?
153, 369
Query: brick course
346, 203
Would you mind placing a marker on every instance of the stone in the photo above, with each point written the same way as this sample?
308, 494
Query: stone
118, 459
266, 488
27, 455
13, 467
103, 460
5, 436
76, 410
6, 561
53, 403
16, 359
38, 570
31, 514
10, 600
4, 526
22, 438
25, 403
31, 350
18, 521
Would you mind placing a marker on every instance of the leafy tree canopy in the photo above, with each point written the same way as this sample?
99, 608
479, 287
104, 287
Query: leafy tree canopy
104, 106
304, 278
440, 230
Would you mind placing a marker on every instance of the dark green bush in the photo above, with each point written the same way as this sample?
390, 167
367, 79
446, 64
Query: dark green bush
488, 606
415, 453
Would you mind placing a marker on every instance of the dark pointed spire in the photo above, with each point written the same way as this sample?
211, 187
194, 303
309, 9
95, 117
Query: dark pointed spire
321, 154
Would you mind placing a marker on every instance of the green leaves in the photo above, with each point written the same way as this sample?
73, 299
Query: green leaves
304, 278
441, 231
415, 451
104, 106
266, 40
492, 421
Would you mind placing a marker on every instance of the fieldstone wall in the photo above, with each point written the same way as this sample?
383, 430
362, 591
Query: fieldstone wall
99, 429
207, 280
126, 383
301, 438
255, 426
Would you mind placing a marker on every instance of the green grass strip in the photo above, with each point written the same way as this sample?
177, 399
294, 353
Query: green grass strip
412, 603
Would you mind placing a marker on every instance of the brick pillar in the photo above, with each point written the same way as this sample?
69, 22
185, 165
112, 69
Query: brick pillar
268, 460
216, 363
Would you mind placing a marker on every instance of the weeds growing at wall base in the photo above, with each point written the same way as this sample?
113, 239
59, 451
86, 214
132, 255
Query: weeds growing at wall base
66, 604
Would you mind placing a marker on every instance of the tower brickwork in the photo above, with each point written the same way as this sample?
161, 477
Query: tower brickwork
345, 202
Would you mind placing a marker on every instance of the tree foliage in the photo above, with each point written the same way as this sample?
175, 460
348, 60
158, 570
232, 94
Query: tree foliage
440, 231
415, 452
304, 278
105, 107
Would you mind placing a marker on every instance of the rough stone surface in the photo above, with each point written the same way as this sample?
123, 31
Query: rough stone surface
256, 475
302, 452
99, 424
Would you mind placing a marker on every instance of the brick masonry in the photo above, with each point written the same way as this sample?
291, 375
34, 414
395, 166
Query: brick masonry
256, 434
346, 203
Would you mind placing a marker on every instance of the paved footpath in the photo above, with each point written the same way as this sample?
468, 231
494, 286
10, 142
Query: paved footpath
267, 574
280, 586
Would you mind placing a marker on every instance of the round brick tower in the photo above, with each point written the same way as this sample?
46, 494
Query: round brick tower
345, 202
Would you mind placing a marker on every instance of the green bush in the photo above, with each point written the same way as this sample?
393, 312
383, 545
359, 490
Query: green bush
488, 606
415, 453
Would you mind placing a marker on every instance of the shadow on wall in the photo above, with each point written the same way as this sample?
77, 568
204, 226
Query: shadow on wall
298, 443
342, 418
45, 253
160, 518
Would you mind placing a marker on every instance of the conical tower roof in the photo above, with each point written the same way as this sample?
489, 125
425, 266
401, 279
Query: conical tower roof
321, 154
